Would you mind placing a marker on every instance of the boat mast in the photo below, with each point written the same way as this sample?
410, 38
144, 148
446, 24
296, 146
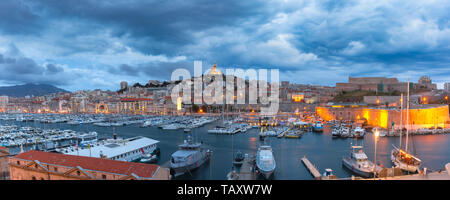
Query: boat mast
401, 120
223, 110
232, 151
407, 120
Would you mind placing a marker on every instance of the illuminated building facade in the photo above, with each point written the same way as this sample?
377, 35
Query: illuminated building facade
382, 84
134, 105
297, 97
420, 116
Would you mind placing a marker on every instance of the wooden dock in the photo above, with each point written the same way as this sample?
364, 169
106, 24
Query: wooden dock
244, 172
312, 169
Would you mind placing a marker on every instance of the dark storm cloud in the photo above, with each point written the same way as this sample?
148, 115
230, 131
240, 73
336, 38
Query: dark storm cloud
17, 18
25, 70
156, 27
150, 39
129, 70
53, 69
164, 70
153, 70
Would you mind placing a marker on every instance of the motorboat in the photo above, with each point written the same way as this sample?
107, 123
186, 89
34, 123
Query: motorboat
318, 126
190, 156
150, 157
359, 164
265, 161
358, 132
238, 158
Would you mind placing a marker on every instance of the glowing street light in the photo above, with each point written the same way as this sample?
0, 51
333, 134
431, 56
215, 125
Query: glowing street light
376, 135
424, 100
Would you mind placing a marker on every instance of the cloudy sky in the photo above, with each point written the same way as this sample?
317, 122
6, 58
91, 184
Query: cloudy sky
88, 44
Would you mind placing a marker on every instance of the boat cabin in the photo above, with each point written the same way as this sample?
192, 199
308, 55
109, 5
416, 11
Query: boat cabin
408, 158
359, 156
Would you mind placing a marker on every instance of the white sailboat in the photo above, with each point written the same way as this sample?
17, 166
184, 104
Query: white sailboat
401, 158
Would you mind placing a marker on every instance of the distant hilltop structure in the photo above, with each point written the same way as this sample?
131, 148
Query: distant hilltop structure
123, 85
213, 70
383, 84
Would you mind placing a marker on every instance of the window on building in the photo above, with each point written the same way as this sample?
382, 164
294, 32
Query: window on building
56, 169
33, 178
78, 173
18, 162
104, 176
35, 166
42, 179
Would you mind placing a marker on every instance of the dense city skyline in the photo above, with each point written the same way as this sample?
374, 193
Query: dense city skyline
89, 44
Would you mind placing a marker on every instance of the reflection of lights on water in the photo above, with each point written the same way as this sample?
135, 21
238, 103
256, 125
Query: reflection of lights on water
252, 142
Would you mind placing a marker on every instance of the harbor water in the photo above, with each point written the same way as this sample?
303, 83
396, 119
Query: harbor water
320, 148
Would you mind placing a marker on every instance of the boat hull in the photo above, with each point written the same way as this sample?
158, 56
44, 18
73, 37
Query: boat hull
266, 174
180, 170
403, 166
356, 170
318, 129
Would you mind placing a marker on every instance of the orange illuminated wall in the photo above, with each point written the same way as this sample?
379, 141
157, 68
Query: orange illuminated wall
418, 118
324, 113
383, 118
428, 118
376, 117
366, 113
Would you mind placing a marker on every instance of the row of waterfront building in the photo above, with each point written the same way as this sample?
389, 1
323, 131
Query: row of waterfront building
155, 97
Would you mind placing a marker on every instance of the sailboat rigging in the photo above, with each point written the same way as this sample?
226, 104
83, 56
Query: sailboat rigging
401, 158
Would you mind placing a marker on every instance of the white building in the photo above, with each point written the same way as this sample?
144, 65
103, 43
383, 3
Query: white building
447, 87
124, 150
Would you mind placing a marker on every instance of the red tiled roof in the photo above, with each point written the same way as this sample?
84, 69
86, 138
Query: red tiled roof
89, 163
2, 147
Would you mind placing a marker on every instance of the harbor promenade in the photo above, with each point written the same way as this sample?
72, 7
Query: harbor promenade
443, 175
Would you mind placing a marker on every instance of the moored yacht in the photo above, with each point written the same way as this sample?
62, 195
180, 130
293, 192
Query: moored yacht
265, 161
150, 157
359, 164
404, 160
358, 132
318, 126
400, 157
190, 156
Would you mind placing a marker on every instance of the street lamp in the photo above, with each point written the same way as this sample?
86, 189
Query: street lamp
376, 134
